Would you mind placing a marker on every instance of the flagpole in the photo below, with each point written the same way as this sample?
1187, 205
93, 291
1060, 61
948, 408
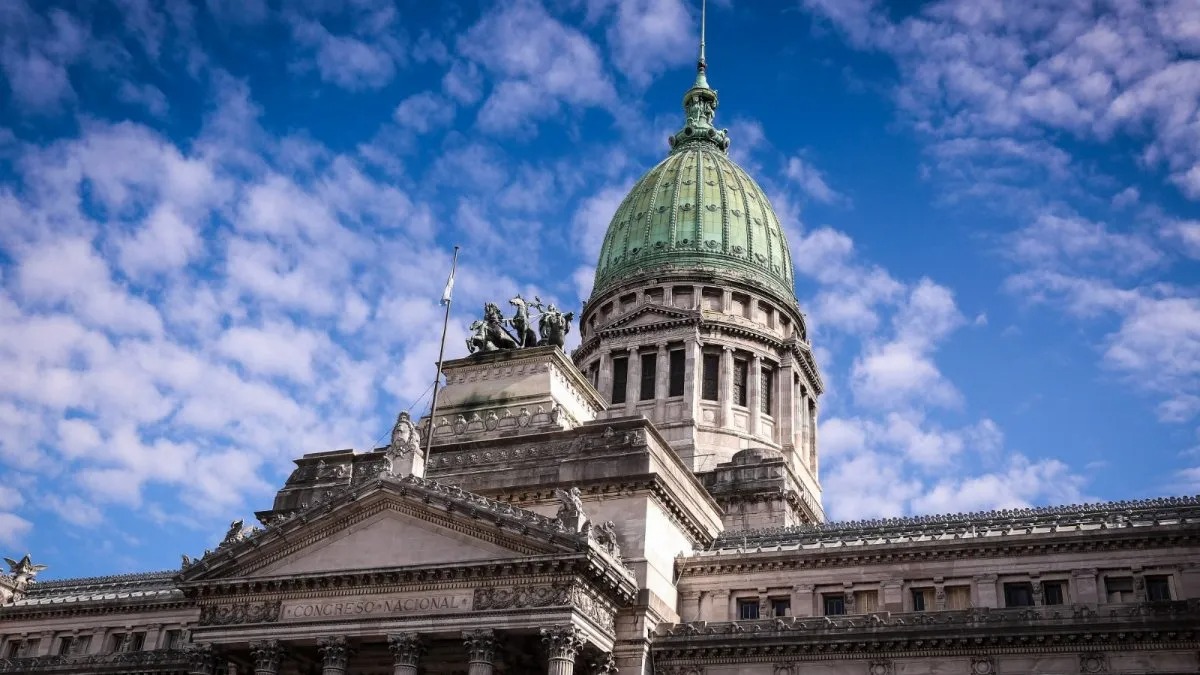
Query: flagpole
447, 297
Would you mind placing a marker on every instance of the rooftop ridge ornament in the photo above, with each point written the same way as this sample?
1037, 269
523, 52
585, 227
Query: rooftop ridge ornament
700, 105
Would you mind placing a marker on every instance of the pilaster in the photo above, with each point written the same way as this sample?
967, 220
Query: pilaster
985, 590
633, 381
662, 381
754, 400
604, 379
725, 387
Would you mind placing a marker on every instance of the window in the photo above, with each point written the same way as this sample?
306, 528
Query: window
1158, 588
739, 381
712, 378
14, 649
678, 364
64, 645
781, 607
649, 376
1018, 594
80, 644
174, 639
866, 602
958, 597
136, 642
620, 381
1054, 593
766, 389
1119, 589
115, 642
30, 647
747, 609
835, 604
922, 599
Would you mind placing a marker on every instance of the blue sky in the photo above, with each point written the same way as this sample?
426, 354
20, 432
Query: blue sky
224, 229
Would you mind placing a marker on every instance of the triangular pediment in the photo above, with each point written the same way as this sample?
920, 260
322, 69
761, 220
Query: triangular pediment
389, 538
649, 315
389, 523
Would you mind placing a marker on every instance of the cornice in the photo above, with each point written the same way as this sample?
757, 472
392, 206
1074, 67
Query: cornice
743, 561
92, 608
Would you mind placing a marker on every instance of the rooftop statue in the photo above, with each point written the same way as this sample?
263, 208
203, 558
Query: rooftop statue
23, 570
491, 333
406, 440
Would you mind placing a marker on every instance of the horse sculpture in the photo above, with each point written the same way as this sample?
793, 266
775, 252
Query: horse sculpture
526, 336
553, 325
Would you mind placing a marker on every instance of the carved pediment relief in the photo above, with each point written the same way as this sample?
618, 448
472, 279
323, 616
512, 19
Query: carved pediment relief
388, 523
648, 315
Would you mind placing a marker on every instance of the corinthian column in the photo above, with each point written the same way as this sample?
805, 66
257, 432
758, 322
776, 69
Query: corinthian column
406, 652
267, 654
481, 651
202, 659
562, 644
335, 654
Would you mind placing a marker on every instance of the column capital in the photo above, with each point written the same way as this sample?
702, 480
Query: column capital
201, 658
267, 655
335, 653
406, 648
481, 645
562, 642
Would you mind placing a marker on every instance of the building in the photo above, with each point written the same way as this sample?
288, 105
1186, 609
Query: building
651, 504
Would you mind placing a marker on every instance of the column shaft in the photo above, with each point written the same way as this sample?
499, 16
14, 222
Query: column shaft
604, 379
725, 387
754, 400
633, 383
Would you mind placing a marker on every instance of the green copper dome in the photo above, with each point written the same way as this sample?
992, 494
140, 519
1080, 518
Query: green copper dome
697, 210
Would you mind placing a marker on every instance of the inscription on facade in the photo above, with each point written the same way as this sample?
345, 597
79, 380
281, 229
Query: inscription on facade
376, 605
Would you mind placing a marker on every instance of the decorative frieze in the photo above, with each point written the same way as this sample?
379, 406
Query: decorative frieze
240, 613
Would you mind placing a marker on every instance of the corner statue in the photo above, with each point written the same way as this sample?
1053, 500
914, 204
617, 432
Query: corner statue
23, 571
492, 333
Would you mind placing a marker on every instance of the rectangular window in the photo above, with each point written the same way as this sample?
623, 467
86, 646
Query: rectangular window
115, 642
1018, 594
747, 609
80, 644
64, 645
678, 365
649, 376
1158, 588
30, 647
620, 378
14, 649
958, 597
922, 599
1054, 593
781, 606
712, 378
834, 604
739, 381
137, 641
173, 639
766, 390
866, 602
1119, 589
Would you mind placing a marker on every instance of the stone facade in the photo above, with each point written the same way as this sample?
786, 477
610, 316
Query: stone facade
649, 505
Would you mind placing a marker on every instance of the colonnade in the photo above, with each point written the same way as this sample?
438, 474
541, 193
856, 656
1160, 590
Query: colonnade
563, 645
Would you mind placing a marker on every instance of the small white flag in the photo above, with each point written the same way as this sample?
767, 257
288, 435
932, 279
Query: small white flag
449, 289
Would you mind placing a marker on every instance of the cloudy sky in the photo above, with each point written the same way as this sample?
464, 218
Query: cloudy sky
225, 226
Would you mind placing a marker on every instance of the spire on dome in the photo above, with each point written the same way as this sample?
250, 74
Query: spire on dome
700, 104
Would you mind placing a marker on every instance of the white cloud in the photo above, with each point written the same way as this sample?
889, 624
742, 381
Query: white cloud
539, 63
424, 112
648, 37
811, 181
